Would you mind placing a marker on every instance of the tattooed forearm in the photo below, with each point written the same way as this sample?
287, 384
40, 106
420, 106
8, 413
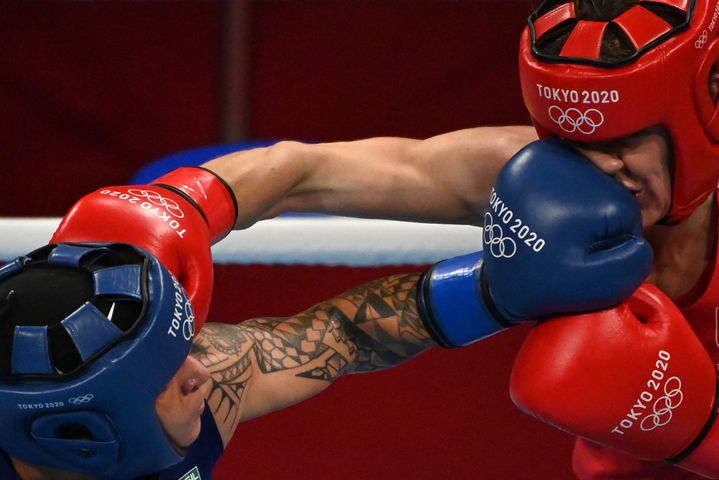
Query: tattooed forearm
298, 342
370, 327
384, 323
310, 345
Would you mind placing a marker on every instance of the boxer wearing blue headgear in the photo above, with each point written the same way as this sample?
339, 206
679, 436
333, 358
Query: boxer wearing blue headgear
76, 395
98, 378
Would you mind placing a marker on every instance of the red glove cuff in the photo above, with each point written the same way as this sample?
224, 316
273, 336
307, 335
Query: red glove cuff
210, 194
702, 456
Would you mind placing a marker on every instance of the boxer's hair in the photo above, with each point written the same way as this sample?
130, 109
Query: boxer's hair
602, 10
615, 44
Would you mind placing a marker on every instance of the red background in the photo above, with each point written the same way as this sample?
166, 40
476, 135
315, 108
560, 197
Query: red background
90, 91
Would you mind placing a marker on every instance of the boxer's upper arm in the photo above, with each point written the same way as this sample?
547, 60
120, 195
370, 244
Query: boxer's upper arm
445, 178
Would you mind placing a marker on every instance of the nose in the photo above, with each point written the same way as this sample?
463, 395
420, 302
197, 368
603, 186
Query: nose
613, 165
194, 374
609, 163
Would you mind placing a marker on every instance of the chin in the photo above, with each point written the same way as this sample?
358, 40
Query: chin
648, 219
652, 214
189, 436
195, 434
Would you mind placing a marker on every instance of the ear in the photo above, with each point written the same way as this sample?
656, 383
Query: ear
714, 82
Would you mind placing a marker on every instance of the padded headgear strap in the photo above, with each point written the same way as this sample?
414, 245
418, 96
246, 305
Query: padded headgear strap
580, 96
97, 416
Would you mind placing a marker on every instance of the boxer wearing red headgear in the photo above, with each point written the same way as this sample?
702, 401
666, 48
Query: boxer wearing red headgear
660, 93
575, 93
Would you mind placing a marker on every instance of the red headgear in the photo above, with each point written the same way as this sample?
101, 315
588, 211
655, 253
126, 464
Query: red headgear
578, 96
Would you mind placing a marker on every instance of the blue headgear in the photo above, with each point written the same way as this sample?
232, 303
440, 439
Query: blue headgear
98, 418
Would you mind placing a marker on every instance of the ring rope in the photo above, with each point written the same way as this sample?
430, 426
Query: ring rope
325, 240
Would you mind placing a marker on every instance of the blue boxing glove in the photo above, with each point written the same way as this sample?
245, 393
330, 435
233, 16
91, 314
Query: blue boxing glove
560, 236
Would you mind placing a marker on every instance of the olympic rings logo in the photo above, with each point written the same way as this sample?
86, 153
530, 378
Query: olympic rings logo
188, 325
500, 246
156, 199
574, 120
702, 40
81, 399
664, 405
183, 315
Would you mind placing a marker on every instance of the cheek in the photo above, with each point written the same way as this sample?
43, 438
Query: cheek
649, 218
170, 414
182, 422
667, 175
650, 167
661, 183
187, 430
652, 159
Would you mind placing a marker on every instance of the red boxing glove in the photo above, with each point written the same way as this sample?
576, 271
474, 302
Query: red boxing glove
635, 378
177, 218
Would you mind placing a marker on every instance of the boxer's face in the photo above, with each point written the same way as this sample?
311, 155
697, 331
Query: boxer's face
641, 163
181, 404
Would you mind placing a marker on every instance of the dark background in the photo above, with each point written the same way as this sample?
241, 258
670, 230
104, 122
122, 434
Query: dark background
92, 90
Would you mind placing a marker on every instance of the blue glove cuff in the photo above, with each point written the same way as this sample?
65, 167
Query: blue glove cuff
452, 304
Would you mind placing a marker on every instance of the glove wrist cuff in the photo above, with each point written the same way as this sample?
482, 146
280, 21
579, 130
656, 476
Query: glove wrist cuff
701, 455
489, 304
208, 193
451, 306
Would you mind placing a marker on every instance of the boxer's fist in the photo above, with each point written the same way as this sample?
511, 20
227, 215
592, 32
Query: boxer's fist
560, 236
635, 378
176, 219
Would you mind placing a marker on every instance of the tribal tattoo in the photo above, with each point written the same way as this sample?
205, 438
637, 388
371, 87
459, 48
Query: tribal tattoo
368, 328
223, 349
384, 323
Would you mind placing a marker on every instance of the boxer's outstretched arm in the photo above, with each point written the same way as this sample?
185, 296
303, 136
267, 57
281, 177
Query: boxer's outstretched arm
446, 178
265, 364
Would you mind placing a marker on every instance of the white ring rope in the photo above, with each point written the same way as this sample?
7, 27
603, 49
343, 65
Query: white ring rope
298, 241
